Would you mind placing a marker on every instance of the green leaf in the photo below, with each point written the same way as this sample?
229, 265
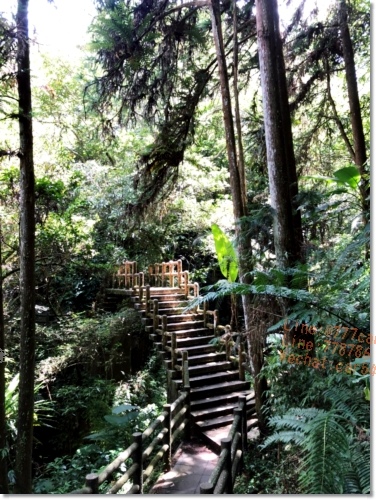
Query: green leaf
120, 419
226, 254
348, 175
121, 408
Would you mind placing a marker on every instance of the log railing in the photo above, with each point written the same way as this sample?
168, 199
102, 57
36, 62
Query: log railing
230, 460
148, 450
165, 274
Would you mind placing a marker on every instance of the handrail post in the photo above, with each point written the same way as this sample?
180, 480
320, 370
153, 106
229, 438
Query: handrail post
173, 350
228, 349
140, 294
187, 429
147, 305
242, 403
186, 281
187, 389
164, 331
91, 481
167, 438
241, 362
239, 412
226, 445
180, 269
206, 489
155, 314
215, 321
205, 309
137, 458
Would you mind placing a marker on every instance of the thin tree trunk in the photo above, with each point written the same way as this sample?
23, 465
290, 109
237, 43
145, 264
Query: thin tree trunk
239, 207
3, 426
355, 113
23, 469
241, 164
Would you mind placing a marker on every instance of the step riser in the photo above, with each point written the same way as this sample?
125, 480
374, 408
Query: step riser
198, 341
201, 370
212, 378
212, 390
208, 358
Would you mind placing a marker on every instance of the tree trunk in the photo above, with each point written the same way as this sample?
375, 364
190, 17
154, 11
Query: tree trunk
239, 207
355, 113
280, 155
23, 470
3, 426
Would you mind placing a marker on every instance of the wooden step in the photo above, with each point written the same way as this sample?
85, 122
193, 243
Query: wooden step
213, 378
185, 325
213, 423
222, 388
209, 357
219, 399
180, 318
217, 411
192, 341
209, 367
187, 333
196, 350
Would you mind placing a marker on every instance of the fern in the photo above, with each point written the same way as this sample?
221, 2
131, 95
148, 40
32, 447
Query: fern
334, 442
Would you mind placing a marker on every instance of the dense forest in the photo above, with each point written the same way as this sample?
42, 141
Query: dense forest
179, 118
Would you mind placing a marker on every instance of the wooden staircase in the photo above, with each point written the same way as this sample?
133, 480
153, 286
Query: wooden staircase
183, 335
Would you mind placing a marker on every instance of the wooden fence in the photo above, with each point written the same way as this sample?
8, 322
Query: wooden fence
148, 450
164, 274
230, 460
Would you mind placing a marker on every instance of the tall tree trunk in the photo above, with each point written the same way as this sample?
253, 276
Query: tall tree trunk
241, 163
24, 442
279, 147
355, 113
239, 207
3, 426
297, 251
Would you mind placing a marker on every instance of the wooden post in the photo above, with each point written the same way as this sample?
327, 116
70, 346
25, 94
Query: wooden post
140, 294
241, 362
242, 403
167, 437
137, 459
91, 481
163, 273
215, 321
185, 368
173, 351
147, 306
187, 429
206, 489
155, 315
228, 349
164, 331
239, 413
180, 270
204, 312
226, 445
186, 281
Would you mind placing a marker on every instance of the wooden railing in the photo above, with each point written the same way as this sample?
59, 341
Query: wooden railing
165, 274
230, 461
127, 276
149, 449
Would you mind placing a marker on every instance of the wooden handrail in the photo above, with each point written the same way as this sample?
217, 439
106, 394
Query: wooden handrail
146, 455
230, 460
